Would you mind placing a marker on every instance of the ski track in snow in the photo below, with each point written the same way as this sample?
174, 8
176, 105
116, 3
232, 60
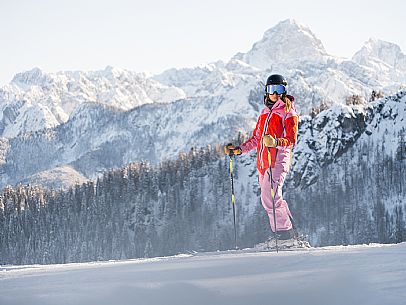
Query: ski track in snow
362, 274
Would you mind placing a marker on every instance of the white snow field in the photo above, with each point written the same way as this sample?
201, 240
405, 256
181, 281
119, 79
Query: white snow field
364, 274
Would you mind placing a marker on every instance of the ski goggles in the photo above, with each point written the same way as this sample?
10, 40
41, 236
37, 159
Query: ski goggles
279, 89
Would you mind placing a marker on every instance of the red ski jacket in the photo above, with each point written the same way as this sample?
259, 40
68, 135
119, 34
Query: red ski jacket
281, 125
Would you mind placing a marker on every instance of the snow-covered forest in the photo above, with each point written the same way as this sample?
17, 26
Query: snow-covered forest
184, 205
137, 211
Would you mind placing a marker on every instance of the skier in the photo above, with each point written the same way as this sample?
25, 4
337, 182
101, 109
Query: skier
274, 137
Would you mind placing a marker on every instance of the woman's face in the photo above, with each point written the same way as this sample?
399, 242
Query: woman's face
274, 97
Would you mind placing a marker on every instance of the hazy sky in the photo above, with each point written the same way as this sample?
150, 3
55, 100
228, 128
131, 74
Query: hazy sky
154, 35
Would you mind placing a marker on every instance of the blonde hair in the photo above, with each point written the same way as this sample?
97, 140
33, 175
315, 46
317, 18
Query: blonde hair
288, 103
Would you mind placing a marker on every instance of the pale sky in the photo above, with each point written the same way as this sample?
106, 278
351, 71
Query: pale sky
154, 35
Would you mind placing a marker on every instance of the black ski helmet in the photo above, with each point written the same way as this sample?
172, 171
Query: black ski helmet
276, 79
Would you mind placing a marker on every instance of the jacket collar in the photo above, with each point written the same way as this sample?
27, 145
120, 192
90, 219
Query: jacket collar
278, 105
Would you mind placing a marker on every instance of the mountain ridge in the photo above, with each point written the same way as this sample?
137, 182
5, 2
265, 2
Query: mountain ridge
190, 107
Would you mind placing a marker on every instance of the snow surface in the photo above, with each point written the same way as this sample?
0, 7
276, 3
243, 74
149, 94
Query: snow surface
362, 274
57, 177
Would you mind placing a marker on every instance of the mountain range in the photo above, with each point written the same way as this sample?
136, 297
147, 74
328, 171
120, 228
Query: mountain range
62, 128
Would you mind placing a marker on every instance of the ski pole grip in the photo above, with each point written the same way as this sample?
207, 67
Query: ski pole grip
231, 150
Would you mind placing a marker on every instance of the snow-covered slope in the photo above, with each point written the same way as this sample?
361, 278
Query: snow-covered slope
363, 275
333, 132
97, 138
58, 177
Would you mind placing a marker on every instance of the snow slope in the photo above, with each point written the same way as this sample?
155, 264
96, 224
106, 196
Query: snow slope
373, 274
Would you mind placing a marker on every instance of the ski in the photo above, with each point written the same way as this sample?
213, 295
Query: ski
281, 248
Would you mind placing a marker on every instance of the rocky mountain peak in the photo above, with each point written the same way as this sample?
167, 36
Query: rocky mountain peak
287, 41
376, 51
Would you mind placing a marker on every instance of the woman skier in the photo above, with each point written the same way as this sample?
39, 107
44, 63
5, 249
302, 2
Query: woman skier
274, 137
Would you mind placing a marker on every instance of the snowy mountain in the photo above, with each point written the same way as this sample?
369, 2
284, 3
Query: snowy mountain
364, 275
96, 138
35, 100
329, 135
385, 61
315, 78
288, 42
98, 120
380, 56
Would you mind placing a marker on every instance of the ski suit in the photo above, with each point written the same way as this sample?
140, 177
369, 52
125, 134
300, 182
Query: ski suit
283, 126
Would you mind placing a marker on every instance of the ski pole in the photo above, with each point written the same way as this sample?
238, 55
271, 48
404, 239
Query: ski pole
273, 200
232, 195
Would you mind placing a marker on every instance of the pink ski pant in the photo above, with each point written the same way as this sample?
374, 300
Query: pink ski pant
282, 212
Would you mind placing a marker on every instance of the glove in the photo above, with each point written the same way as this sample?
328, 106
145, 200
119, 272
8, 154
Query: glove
269, 141
230, 150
